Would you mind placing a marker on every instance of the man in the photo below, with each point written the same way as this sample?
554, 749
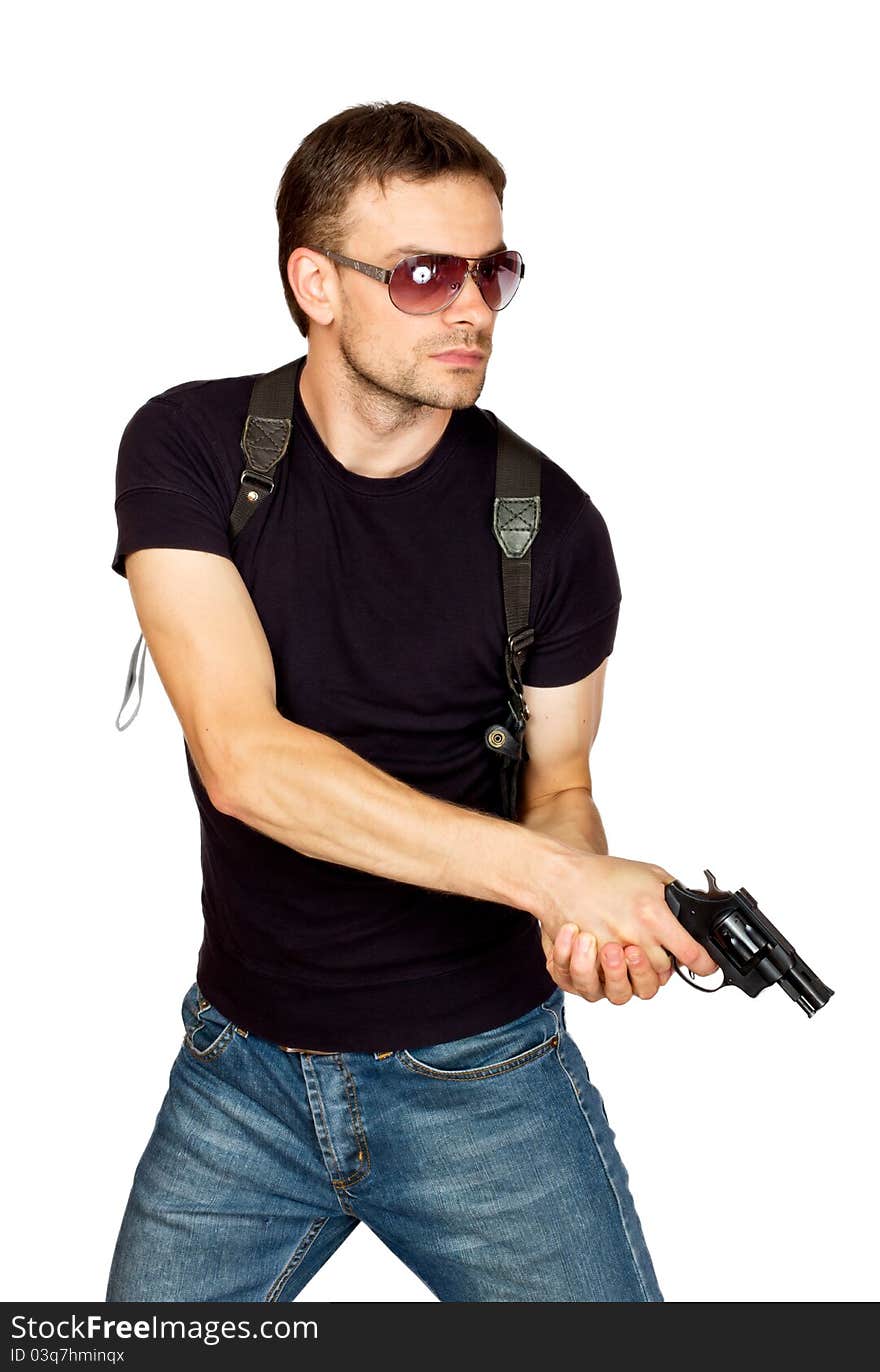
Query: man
377, 1028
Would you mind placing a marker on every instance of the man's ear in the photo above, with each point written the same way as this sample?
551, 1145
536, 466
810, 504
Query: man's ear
312, 279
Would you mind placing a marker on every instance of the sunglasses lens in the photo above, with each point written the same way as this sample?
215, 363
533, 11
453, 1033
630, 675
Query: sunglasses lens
421, 285
499, 276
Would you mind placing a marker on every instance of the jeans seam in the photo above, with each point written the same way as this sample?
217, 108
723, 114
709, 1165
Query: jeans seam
220, 1044
360, 1132
411, 1064
557, 1017
612, 1187
296, 1258
325, 1124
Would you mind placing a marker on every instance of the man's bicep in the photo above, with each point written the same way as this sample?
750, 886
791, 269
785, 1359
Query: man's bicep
561, 729
209, 649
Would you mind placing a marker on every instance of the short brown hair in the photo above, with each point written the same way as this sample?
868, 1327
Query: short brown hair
366, 143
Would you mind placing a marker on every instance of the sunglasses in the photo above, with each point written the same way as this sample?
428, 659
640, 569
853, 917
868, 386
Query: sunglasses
428, 282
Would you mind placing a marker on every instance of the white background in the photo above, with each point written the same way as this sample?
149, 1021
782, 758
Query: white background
694, 189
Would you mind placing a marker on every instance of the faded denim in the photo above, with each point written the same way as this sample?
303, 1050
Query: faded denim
487, 1164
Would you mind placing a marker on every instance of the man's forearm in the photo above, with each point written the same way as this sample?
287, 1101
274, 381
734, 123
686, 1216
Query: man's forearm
307, 790
570, 816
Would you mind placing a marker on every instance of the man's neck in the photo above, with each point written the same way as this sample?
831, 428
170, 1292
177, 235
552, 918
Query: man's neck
368, 431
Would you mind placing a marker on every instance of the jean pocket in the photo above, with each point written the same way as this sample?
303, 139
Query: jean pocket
207, 1032
503, 1049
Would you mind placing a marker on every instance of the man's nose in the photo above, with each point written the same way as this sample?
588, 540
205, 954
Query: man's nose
469, 302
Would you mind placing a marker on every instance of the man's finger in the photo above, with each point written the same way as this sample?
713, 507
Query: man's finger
584, 967
659, 959
645, 981
684, 948
563, 947
561, 978
617, 983
561, 956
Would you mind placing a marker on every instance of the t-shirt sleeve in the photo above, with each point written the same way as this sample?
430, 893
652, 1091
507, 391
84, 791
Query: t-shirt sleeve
575, 605
170, 491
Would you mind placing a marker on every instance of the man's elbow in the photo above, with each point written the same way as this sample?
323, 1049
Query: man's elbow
224, 798
253, 766
215, 770
226, 756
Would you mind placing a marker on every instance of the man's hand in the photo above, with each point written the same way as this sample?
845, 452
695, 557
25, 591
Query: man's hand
621, 902
618, 973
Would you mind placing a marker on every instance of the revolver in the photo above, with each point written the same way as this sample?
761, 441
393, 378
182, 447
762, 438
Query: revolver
748, 949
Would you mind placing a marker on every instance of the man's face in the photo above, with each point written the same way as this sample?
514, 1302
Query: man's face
387, 348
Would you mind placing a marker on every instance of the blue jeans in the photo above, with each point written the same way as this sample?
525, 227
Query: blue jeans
487, 1164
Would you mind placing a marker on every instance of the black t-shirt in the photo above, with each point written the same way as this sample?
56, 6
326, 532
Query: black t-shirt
382, 602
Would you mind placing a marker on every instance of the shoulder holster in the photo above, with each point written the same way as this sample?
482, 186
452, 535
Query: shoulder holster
516, 518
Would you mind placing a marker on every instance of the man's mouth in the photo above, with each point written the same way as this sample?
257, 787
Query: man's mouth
462, 357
